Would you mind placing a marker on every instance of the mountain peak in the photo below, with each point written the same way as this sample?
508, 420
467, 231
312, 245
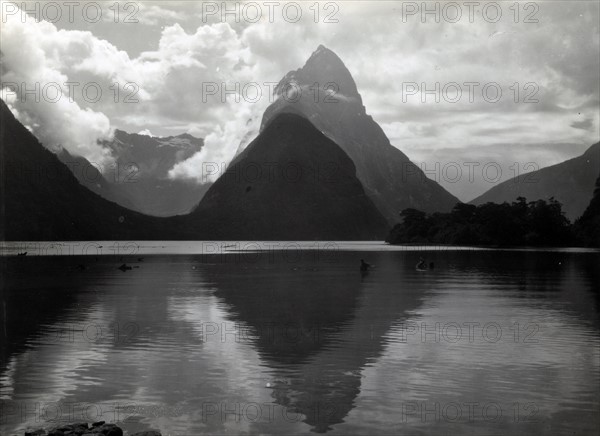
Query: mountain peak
323, 53
323, 70
325, 67
332, 205
324, 92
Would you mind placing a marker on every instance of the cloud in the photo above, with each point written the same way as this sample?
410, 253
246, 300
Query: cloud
38, 95
219, 147
165, 86
152, 14
587, 124
182, 54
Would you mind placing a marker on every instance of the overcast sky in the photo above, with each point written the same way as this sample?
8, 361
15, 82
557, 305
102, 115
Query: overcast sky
161, 53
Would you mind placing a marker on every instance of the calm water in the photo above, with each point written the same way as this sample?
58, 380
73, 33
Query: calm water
490, 342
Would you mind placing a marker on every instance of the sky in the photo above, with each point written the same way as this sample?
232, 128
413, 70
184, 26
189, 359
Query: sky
75, 71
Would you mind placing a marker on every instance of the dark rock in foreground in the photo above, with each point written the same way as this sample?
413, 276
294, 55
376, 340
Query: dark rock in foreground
83, 429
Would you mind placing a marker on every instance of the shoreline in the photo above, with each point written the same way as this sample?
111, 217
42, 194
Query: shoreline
127, 249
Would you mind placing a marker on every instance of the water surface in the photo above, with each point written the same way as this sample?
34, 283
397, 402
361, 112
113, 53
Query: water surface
489, 342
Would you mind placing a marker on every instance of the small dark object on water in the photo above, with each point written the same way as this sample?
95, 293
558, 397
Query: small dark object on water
431, 265
124, 267
364, 266
81, 267
22, 254
140, 259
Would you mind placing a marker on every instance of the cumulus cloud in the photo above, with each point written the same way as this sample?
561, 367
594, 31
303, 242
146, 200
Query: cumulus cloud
37, 93
220, 147
165, 86
175, 53
152, 14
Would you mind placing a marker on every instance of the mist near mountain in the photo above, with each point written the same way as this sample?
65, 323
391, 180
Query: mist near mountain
138, 178
140, 174
309, 191
290, 183
42, 199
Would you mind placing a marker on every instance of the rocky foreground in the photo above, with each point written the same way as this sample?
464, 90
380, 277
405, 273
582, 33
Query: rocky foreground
83, 429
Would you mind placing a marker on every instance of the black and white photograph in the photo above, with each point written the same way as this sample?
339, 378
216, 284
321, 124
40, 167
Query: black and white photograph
299, 217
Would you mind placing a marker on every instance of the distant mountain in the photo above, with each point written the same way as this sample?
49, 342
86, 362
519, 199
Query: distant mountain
90, 176
140, 174
306, 189
152, 156
587, 227
324, 92
570, 182
42, 200
290, 183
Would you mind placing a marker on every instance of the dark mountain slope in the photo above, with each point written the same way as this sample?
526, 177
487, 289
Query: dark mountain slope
570, 182
90, 176
587, 228
42, 199
291, 183
325, 92
141, 170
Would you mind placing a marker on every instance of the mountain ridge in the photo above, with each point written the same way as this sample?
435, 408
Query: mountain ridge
320, 198
140, 173
43, 200
571, 182
324, 92
325, 203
